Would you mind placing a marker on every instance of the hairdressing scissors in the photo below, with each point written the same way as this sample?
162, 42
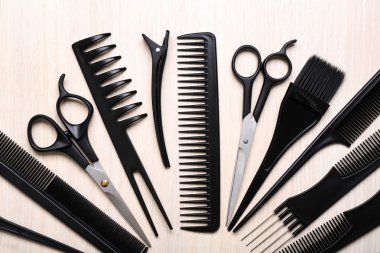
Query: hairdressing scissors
75, 143
250, 119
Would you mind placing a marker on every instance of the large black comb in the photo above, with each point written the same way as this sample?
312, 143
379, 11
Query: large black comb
199, 134
344, 129
65, 203
117, 129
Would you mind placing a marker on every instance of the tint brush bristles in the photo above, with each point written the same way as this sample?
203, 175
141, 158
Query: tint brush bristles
319, 78
297, 212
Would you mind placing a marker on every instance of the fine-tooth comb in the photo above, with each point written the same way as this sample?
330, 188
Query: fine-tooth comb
61, 200
304, 104
340, 230
117, 129
199, 134
299, 211
158, 54
344, 129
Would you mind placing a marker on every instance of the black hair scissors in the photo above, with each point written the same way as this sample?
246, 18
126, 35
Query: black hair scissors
250, 119
75, 143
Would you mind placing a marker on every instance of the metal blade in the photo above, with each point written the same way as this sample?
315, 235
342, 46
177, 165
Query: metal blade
98, 174
246, 137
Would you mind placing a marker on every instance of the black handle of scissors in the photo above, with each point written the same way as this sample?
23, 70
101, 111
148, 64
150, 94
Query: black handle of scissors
270, 81
62, 143
247, 81
77, 131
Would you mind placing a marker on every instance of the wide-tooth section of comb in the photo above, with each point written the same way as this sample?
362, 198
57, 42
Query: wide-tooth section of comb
320, 238
358, 120
28, 167
199, 135
362, 156
319, 78
59, 198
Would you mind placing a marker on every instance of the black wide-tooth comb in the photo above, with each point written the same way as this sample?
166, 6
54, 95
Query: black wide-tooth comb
117, 129
344, 129
199, 134
340, 230
61, 200
304, 104
301, 210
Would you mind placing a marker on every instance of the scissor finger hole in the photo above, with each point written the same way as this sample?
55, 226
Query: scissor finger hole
74, 110
277, 67
246, 61
43, 133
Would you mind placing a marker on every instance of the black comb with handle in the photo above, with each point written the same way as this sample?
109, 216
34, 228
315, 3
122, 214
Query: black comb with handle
61, 200
199, 134
344, 129
304, 104
117, 129
340, 230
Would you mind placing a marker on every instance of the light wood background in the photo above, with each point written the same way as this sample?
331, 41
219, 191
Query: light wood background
35, 48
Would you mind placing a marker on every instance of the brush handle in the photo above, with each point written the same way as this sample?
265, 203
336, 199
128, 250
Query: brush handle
324, 139
18, 230
363, 219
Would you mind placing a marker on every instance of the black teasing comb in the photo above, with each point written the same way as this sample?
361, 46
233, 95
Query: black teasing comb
61, 200
344, 129
299, 211
340, 230
158, 54
305, 102
116, 128
199, 135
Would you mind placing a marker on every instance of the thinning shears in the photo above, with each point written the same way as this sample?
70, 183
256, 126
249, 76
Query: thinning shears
250, 119
75, 143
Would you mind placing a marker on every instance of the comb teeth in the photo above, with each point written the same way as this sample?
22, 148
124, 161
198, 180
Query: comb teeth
199, 172
98, 80
24, 164
321, 238
320, 78
362, 156
362, 115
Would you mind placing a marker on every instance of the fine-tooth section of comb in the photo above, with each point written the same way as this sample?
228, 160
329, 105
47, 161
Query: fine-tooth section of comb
112, 112
199, 132
60, 199
359, 113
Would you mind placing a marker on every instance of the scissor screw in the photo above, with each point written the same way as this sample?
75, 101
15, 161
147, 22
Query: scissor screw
158, 50
105, 183
245, 141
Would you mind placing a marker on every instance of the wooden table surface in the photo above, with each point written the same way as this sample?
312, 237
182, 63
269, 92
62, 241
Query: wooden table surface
35, 48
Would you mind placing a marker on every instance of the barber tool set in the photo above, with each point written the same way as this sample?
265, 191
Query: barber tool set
304, 104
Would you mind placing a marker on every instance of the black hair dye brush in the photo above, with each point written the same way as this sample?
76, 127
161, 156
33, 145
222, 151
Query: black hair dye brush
298, 212
304, 104
344, 129
61, 200
340, 230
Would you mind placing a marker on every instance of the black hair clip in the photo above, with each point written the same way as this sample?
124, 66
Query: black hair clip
158, 63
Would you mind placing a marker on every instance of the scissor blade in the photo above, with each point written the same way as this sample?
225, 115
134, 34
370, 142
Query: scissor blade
102, 180
246, 137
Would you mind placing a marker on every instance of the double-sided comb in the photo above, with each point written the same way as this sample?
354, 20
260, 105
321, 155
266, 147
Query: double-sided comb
26, 233
344, 129
61, 200
117, 129
158, 54
199, 134
340, 230
305, 102
299, 211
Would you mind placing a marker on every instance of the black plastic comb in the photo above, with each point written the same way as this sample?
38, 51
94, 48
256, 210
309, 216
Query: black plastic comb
61, 200
304, 104
158, 54
299, 211
340, 230
117, 129
344, 129
199, 134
